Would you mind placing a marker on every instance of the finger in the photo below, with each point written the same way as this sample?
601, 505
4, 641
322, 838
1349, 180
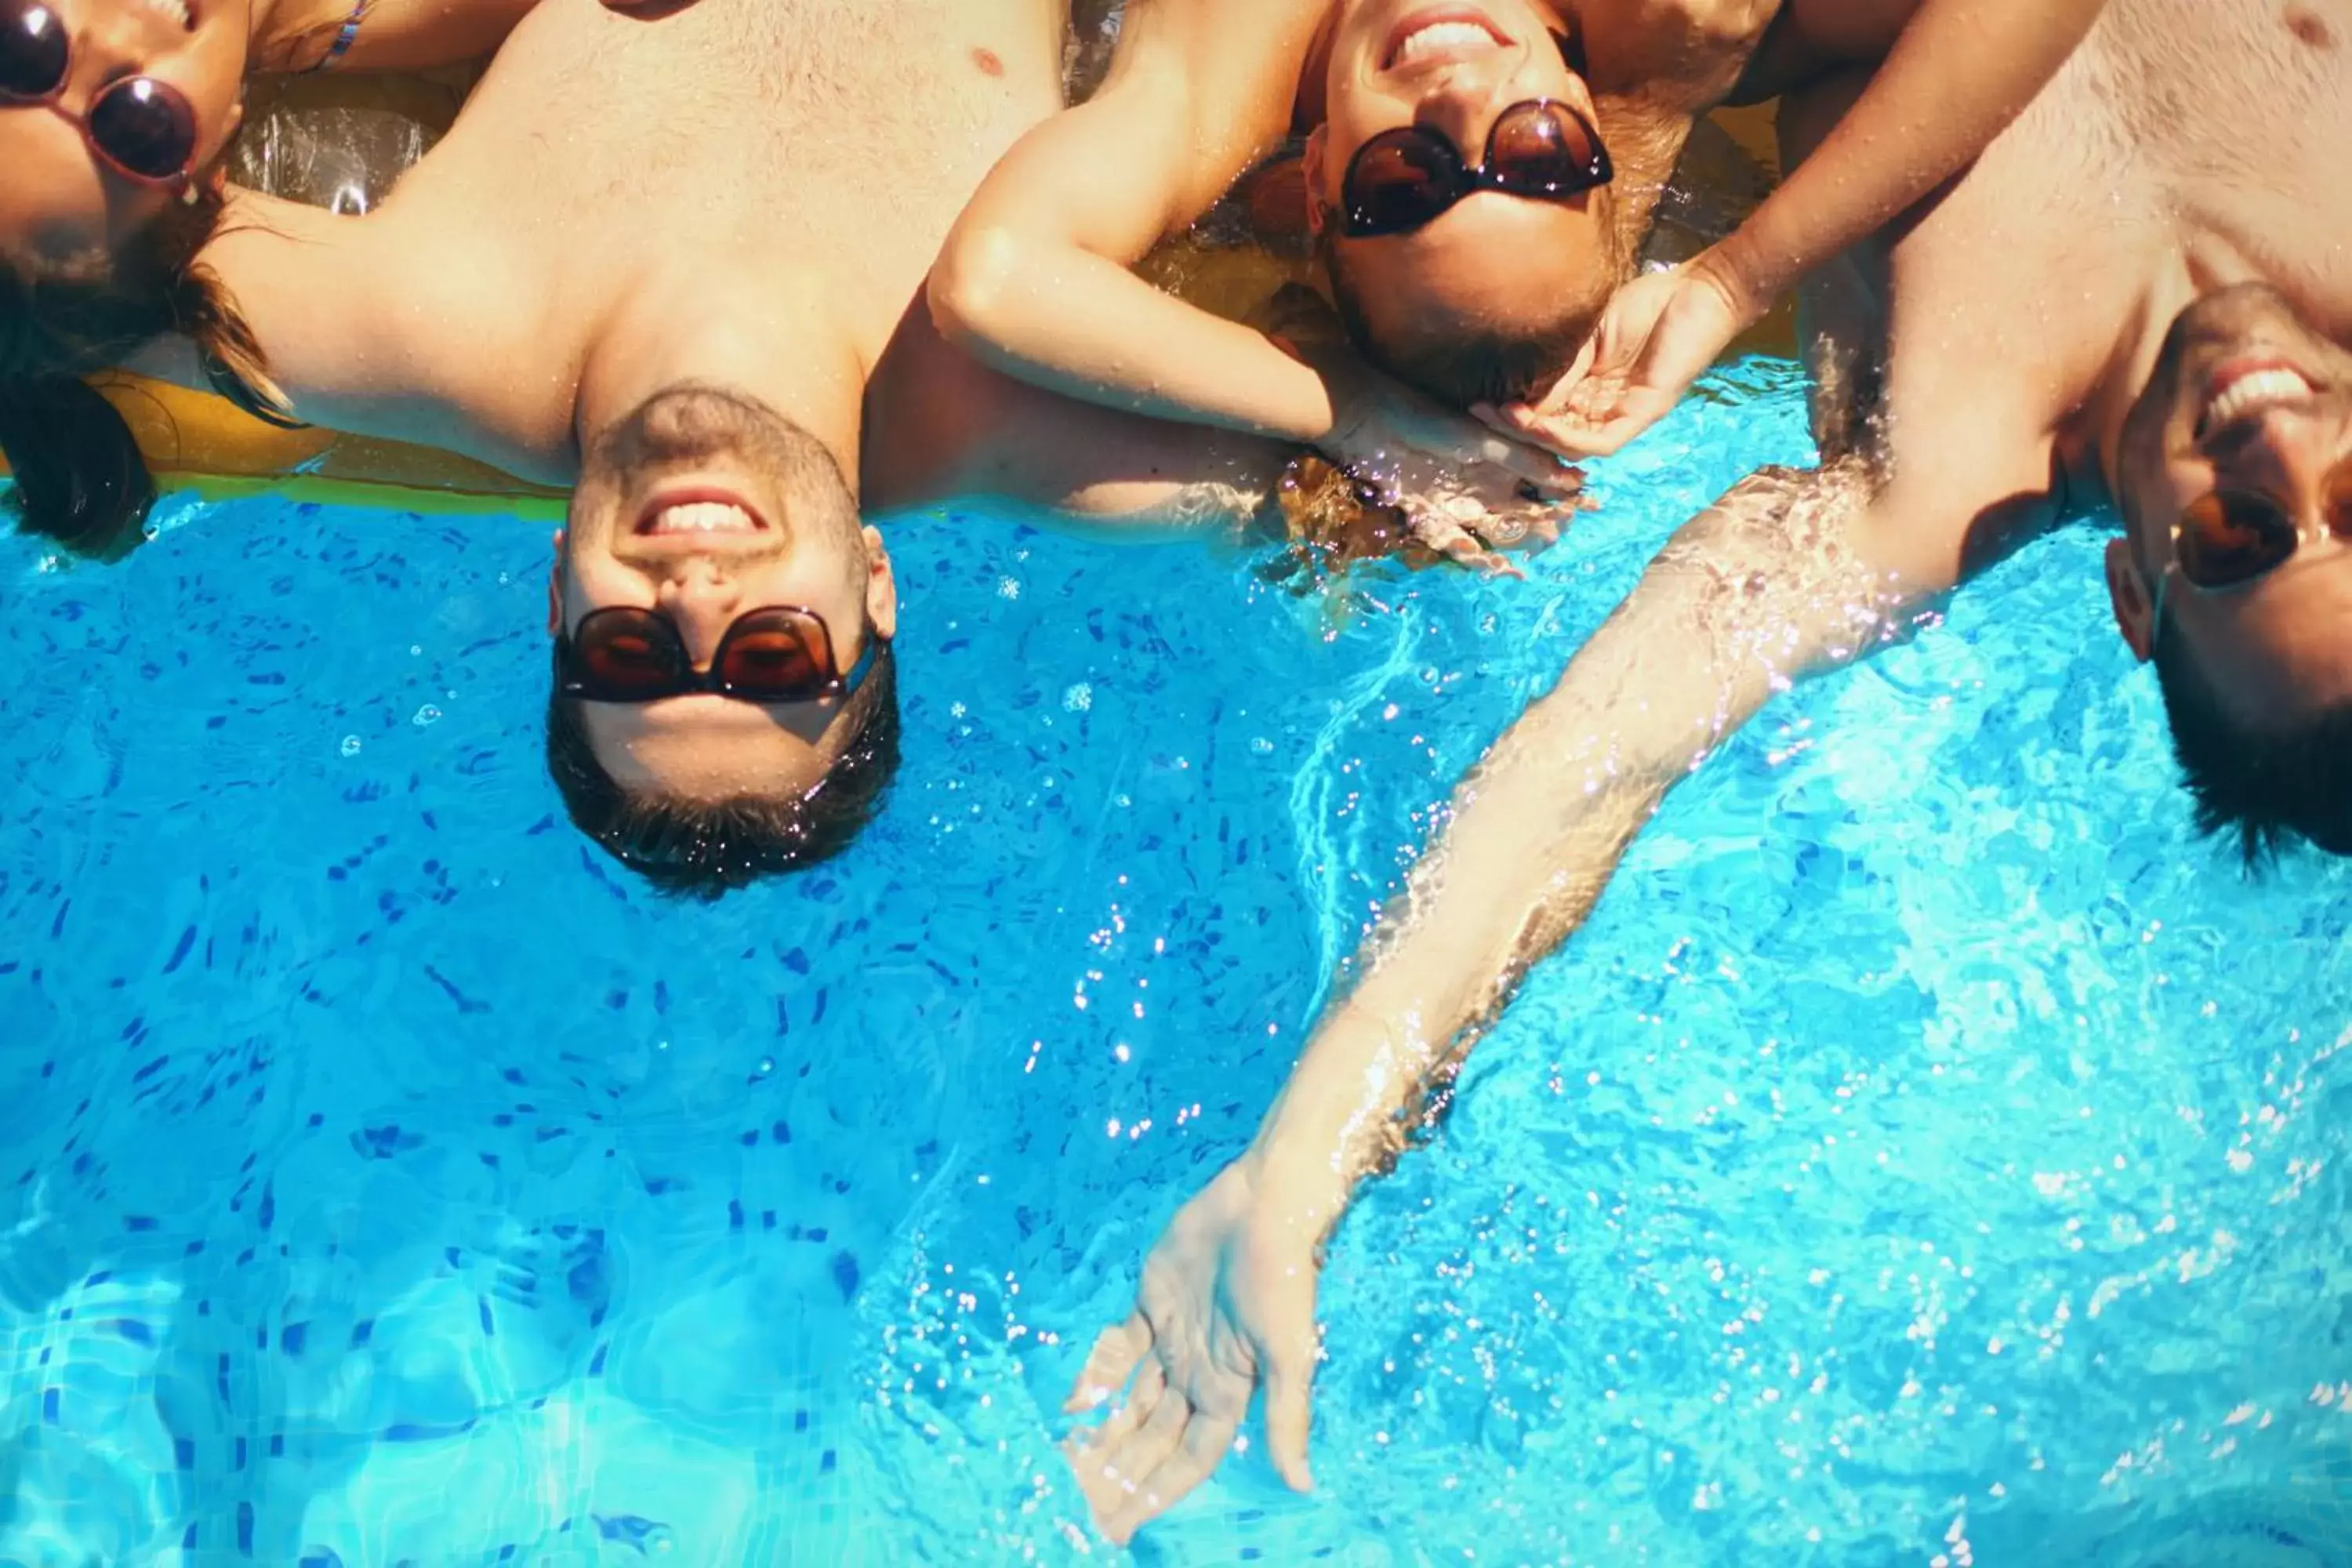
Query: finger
1551, 435
1148, 1447
1645, 405
1517, 457
1598, 439
1565, 433
1556, 494
1289, 1412
1207, 1443
1498, 420
1504, 529
1110, 1365
1151, 1385
1620, 433
1528, 530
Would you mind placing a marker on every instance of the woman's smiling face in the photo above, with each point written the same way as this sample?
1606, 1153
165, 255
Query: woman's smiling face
61, 200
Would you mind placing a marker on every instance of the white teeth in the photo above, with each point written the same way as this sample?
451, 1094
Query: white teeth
2248, 393
1442, 36
703, 517
177, 10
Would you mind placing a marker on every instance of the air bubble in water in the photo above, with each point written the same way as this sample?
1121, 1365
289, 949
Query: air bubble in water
428, 714
1079, 698
350, 745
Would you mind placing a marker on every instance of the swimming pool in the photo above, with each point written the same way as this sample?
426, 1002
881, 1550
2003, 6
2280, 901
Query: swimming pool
1925, 1154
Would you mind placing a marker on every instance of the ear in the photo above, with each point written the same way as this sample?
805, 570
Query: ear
1310, 169
881, 588
2127, 591
555, 590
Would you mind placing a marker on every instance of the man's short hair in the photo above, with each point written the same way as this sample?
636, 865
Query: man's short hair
2270, 785
1461, 370
705, 850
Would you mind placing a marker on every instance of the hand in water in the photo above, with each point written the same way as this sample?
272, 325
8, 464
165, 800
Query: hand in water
1466, 490
1462, 490
1656, 336
1227, 1303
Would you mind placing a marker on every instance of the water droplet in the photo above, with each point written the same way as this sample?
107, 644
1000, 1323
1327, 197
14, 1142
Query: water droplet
428, 714
350, 745
1262, 746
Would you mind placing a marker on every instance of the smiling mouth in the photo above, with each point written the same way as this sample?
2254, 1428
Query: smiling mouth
2244, 388
1440, 37
182, 13
698, 514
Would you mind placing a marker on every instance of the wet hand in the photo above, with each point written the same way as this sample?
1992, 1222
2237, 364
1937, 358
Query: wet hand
1657, 335
1386, 432
1227, 1303
1466, 491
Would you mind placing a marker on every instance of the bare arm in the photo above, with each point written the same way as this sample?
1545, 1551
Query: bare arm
1035, 280
1772, 580
392, 35
363, 330
1958, 72
1775, 579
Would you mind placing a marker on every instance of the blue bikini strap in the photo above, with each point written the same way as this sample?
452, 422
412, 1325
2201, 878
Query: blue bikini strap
345, 36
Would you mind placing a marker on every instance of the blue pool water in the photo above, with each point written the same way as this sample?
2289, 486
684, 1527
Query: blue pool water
1927, 1154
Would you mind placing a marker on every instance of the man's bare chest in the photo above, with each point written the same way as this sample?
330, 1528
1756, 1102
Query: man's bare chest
732, 106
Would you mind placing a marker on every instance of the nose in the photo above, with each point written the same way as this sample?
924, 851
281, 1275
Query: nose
702, 597
2302, 455
1461, 109
114, 40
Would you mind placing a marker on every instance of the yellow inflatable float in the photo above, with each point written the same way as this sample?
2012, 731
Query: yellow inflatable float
341, 142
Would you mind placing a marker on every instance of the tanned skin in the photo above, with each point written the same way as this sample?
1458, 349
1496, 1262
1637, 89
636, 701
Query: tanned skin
2043, 339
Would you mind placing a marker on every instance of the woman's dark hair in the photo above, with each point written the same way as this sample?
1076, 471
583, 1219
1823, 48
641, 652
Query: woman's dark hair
80, 476
2267, 786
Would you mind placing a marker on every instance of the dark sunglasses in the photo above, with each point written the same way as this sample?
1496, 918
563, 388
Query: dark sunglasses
1404, 179
780, 654
2231, 540
144, 130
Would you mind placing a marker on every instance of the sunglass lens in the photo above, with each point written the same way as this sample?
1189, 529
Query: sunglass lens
1544, 149
33, 49
2226, 540
776, 657
145, 127
628, 654
1398, 181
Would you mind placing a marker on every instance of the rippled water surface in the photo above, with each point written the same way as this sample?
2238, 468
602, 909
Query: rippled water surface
1927, 1154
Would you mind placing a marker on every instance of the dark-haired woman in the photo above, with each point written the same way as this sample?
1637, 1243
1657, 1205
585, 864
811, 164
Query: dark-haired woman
116, 117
